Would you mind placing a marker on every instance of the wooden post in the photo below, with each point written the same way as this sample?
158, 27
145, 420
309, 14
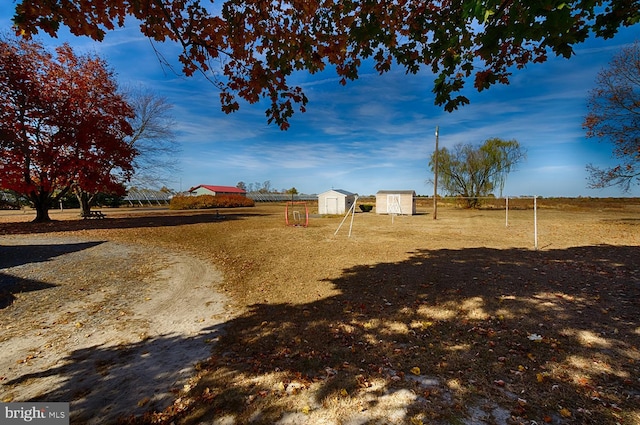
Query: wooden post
506, 216
535, 222
435, 180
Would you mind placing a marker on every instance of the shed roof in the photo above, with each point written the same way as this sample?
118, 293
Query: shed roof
402, 192
225, 189
341, 191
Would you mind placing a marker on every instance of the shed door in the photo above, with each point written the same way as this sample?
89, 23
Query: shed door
331, 205
393, 204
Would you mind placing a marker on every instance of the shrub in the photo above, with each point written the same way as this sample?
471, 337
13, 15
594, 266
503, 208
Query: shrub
210, 201
365, 207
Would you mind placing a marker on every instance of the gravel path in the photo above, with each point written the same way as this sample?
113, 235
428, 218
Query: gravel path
113, 329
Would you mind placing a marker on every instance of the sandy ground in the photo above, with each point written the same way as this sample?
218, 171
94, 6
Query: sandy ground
146, 317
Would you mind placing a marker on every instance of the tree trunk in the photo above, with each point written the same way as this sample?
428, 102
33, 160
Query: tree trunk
85, 202
41, 205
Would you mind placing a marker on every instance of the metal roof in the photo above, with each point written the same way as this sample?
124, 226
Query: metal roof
225, 189
342, 191
402, 192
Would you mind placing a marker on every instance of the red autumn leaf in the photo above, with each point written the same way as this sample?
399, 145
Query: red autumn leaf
63, 124
267, 42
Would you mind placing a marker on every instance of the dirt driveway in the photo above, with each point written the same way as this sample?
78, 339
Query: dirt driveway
118, 328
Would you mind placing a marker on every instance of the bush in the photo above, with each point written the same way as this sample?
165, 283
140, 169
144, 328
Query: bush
365, 207
210, 201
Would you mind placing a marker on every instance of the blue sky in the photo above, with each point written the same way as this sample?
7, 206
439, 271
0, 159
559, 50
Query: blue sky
374, 133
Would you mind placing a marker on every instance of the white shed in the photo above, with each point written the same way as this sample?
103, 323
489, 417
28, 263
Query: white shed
335, 201
396, 202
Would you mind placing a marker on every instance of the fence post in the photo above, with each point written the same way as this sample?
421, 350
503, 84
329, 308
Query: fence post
506, 219
535, 222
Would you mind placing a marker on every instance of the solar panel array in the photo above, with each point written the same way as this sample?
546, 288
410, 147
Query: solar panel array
147, 196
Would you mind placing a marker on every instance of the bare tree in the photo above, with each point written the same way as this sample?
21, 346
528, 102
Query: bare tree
614, 116
153, 138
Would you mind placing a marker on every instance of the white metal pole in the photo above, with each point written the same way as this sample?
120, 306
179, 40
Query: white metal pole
353, 213
435, 179
506, 219
345, 218
535, 222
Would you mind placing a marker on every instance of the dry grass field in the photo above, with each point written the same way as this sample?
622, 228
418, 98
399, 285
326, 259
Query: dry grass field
408, 320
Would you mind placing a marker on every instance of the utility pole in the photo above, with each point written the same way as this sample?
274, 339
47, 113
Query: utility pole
435, 180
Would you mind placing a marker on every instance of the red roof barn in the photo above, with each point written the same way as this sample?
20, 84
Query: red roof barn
205, 189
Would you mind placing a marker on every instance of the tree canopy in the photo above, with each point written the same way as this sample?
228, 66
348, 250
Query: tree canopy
472, 172
256, 46
614, 116
62, 124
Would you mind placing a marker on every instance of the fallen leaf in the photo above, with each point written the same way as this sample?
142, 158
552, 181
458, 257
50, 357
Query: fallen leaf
415, 370
565, 413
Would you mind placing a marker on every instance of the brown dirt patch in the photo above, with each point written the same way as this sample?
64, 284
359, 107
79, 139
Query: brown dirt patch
409, 320
113, 328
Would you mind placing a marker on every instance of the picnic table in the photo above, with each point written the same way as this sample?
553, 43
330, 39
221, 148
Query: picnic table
93, 214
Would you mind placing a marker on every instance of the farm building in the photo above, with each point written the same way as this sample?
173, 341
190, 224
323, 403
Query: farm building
335, 201
205, 189
396, 202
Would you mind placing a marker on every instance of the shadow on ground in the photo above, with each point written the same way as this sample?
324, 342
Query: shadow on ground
476, 336
448, 336
18, 255
107, 382
115, 221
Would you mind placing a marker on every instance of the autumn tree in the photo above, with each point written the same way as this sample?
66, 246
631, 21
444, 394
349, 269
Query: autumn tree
474, 171
614, 116
62, 123
258, 45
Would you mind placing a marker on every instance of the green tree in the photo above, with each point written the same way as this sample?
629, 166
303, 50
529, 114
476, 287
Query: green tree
614, 116
293, 192
472, 172
261, 44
